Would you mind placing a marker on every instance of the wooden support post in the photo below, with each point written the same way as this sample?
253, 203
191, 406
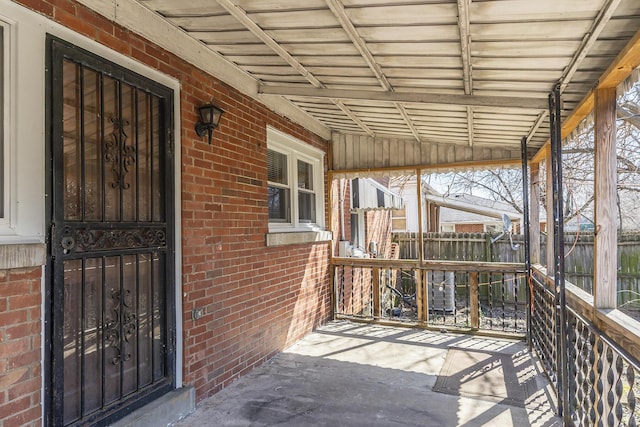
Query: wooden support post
605, 179
375, 280
474, 303
534, 212
334, 291
549, 199
420, 301
427, 296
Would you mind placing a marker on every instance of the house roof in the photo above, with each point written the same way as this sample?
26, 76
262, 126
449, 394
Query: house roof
471, 205
457, 216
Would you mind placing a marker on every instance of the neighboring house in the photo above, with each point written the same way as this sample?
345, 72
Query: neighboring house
406, 217
466, 213
365, 206
453, 213
459, 221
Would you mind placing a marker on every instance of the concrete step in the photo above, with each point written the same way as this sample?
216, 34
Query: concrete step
163, 411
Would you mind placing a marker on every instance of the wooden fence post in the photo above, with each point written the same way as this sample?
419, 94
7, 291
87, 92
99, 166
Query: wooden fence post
474, 305
376, 292
422, 296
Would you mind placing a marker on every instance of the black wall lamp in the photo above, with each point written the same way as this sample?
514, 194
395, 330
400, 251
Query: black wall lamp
209, 120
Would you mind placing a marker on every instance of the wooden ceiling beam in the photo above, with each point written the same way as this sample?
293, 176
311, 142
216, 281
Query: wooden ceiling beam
536, 125
465, 48
346, 110
465, 44
237, 12
408, 121
510, 102
337, 8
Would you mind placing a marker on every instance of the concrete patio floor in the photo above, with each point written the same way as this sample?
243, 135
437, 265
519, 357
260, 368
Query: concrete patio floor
350, 374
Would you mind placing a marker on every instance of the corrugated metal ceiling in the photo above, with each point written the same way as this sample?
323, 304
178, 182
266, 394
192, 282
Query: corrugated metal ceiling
464, 72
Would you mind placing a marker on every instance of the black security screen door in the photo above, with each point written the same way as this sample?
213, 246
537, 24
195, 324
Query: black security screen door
111, 277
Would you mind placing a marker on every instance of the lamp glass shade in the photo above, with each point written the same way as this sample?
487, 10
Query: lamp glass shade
206, 114
217, 114
210, 115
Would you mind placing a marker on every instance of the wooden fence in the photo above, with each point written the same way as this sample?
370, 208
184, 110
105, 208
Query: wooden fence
578, 260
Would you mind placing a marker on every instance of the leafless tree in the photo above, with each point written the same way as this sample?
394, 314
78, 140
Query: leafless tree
505, 185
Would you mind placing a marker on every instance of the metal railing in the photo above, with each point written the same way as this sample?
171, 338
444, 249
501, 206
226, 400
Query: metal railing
602, 378
544, 325
445, 294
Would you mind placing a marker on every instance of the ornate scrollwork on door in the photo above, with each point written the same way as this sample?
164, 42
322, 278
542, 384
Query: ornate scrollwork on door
121, 328
96, 240
118, 154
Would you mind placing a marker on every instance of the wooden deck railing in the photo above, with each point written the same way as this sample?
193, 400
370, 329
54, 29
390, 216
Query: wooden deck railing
471, 296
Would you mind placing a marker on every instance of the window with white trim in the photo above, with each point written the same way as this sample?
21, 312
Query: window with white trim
295, 184
493, 228
447, 228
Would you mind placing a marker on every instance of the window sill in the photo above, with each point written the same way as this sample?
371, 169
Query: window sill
296, 237
22, 255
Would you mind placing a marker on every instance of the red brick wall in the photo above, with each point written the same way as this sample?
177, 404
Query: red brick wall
378, 229
257, 300
469, 228
20, 349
